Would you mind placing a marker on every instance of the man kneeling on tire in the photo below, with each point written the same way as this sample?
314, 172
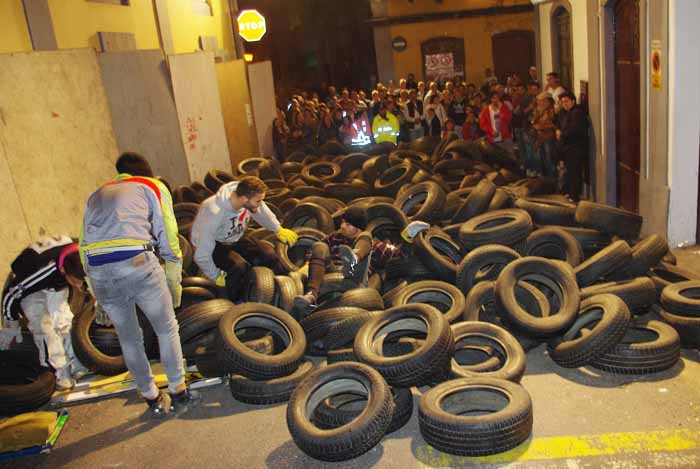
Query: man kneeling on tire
222, 249
39, 291
348, 250
125, 221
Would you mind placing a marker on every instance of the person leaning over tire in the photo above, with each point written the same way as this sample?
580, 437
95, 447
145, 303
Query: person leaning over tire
125, 221
222, 249
39, 292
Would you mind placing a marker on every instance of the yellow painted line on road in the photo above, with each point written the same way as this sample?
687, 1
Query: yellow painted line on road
563, 447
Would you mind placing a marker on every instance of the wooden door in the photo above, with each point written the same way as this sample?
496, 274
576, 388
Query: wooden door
513, 53
563, 48
627, 99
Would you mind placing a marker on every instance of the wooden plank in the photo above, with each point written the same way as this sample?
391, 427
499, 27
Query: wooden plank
40, 24
199, 113
235, 105
144, 118
114, 42
262, 95
166, 35
57, 134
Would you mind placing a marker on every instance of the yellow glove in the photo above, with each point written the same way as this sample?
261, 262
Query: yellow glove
221, 280
287, 236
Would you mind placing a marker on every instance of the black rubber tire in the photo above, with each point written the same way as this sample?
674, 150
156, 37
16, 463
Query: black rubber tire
419, 367
638, 294
477, 201
24, 384
194, 295
438, 253
688, 328
548, 211
201, 282
90, 356
504, 428
259, 285
501, 200
254, 365
309, 215
319, 173
185, 194
558, 276
422, 201
393, 178
201, 190
306, 237
269, 391
187, 252
554, 243
342, 409
318, 324
646, 254
278, 195
658, 349
341, 355
185, 214
591, 241
285, 291
610, 318
408, 268
665, 274
214, 179
512, 359
300, 191
483, 263
249, 166
201, 318
342, 333
203, 351
611, 220
336, 282
390, 294
441, 295
603, 263
348, 441
682, 299
346, 191
365, 298
509, 227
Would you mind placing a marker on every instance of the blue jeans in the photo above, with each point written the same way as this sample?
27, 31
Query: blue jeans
119, 287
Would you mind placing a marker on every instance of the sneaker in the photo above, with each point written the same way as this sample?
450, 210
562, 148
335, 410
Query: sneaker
184, 401
79, 371
65, 383
305, 303
349, 259
158, 407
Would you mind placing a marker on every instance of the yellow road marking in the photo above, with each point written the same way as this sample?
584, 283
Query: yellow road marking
562, 447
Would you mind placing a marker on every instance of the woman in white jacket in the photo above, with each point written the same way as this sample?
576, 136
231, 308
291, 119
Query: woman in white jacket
437, 106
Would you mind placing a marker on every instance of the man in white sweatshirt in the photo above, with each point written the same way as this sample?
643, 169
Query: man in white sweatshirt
222, 250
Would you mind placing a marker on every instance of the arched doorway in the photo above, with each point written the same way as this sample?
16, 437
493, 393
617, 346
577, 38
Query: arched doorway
627, 103
562, 45
513, 53
443, 59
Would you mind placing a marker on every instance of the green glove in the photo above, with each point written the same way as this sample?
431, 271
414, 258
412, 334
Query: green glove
173, 277
221, 279
287, 236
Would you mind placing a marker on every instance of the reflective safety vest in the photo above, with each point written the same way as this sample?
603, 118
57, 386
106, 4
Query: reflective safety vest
385, 130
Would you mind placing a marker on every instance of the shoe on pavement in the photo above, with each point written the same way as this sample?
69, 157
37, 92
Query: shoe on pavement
65, 383
184, 401
158, 407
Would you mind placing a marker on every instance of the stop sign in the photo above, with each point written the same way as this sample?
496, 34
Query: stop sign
251, 25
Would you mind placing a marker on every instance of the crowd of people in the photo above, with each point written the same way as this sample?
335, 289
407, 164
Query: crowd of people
543, 127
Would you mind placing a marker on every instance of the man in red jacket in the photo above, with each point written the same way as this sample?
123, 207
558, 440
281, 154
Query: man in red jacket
495, 122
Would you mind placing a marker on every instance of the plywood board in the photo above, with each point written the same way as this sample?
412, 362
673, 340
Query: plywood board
113, 42
143, 111
40, 25
199, 112
57, 135
235, 105
262, 94
14, 233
